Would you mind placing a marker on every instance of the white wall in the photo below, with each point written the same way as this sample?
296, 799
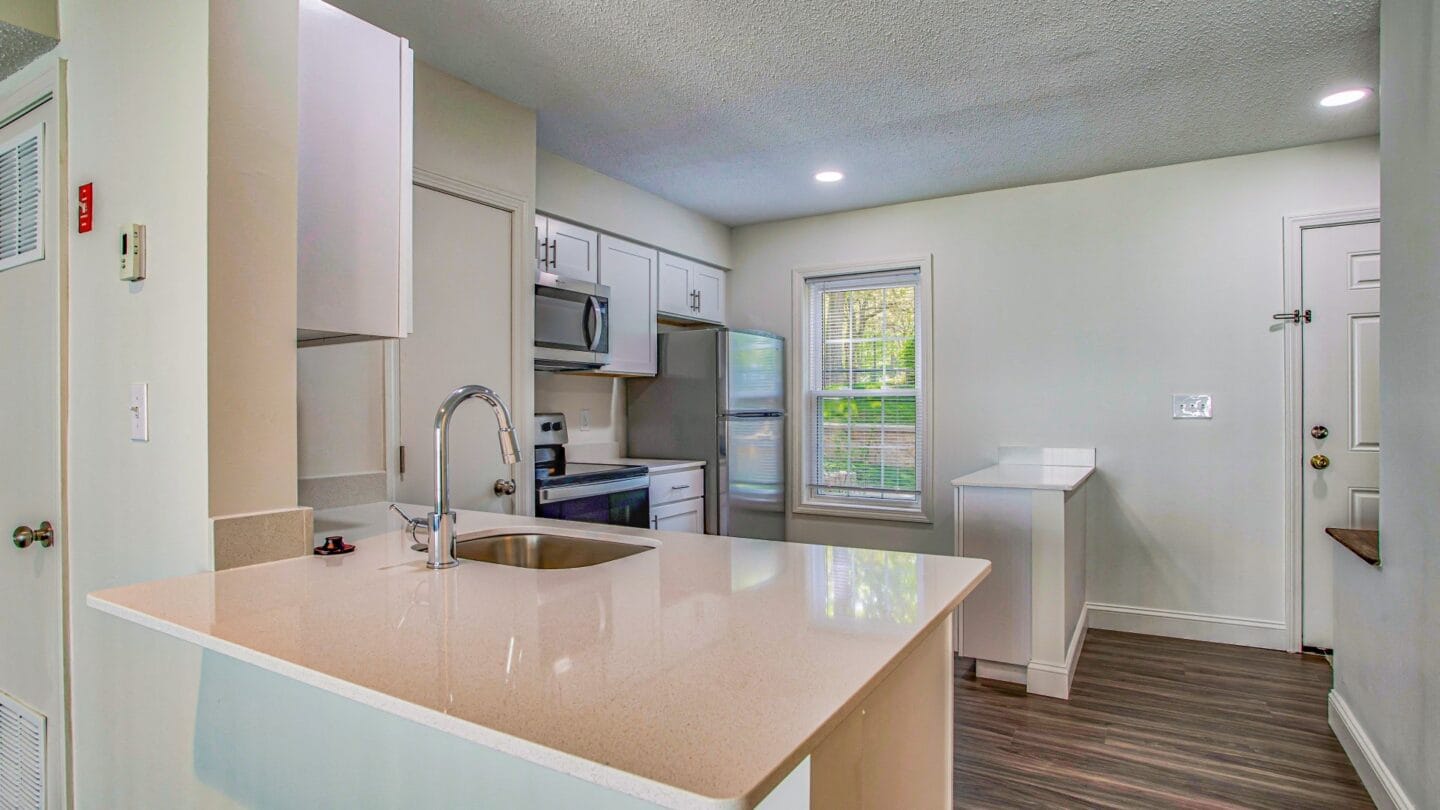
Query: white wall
461, 132
138, 106
342, 409
1387, 620
1065, 316
253, 214
603, 397
570, 190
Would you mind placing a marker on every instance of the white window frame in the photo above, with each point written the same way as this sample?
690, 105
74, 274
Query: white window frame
802, 453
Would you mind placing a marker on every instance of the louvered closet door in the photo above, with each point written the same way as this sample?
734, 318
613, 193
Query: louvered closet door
32, 697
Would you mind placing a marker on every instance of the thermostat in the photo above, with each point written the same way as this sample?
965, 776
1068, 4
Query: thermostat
132, 253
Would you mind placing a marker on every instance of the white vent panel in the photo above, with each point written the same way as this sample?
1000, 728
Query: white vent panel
22, 203
22, 756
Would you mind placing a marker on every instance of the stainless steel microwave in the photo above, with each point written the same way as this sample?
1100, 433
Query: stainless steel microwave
572, 324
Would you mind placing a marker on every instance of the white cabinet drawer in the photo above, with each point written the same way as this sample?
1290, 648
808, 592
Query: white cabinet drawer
676, 486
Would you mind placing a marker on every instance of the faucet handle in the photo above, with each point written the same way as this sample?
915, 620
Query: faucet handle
413, 527
412, 521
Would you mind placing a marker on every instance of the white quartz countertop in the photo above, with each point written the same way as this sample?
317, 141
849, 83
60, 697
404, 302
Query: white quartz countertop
1027, 476
695, 675
656, 465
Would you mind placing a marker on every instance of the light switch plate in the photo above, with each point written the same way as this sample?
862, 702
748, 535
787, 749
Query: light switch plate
584, 418
140, 412
1189, 406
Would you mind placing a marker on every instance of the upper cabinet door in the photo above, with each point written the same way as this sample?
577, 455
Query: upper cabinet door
629, 270
675, 297
542, 244
709, 286
355, 176
574, 251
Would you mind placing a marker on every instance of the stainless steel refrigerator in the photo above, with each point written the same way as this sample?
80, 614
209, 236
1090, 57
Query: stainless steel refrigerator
720, 397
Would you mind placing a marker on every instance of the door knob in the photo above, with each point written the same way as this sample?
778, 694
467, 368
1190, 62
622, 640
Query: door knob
1319, 461
1319, 431
504, 486
24, 536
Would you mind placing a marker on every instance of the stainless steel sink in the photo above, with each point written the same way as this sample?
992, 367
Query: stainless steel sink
543, 550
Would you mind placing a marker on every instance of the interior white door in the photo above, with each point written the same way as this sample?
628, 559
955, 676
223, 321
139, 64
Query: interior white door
32, 635
462, 336
629, 270
1340, 285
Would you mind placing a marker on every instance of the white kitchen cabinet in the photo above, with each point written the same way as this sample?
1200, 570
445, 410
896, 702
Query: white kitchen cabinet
355, 178
691, 291
679, 516
567, 250
629, 270
677, 501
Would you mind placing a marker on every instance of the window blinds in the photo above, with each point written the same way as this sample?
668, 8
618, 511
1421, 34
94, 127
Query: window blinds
865, 403
21, 205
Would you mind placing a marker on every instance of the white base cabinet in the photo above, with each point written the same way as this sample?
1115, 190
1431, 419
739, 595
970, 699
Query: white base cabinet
677, 501
680, 516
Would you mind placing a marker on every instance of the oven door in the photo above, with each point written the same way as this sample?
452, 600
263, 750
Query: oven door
572, 324
616, 503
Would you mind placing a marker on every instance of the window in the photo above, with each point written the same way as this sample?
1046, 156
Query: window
864, 392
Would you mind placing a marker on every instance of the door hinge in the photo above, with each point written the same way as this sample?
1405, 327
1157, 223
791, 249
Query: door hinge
401, 460
1295, 316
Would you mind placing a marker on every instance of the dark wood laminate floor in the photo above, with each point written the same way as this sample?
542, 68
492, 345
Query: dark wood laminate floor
1156, 722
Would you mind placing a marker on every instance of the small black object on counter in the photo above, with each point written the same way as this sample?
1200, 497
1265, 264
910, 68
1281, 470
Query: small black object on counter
334, 544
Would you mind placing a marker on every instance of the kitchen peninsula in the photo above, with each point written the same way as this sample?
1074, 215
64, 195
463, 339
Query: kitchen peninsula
708, 672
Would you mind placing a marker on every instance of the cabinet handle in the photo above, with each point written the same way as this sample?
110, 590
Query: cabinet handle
674, 487
554, 249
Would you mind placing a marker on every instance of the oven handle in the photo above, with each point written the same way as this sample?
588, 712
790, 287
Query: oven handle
574, 491
594, 326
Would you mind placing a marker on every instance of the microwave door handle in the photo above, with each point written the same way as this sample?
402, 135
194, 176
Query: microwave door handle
594, 326
589, 318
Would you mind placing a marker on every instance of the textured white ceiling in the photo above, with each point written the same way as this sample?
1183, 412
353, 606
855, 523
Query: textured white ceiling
728, 107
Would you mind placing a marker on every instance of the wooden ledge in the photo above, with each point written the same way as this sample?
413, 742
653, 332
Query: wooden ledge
1364, 542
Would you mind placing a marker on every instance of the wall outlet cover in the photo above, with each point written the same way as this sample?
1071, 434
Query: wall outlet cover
1190, 406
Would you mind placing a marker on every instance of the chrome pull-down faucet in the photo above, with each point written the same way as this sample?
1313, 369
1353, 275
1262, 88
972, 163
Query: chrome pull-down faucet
442, 520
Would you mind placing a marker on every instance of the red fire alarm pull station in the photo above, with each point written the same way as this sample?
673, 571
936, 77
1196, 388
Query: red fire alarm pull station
86, 215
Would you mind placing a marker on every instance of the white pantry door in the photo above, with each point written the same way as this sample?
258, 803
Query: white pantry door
32, 636
1340, 285
462, 335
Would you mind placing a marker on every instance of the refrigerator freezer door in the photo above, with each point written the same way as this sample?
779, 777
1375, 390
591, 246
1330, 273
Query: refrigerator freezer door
752, 477
754, 369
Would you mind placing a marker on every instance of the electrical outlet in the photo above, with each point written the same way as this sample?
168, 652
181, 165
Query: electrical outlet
140, 412
584, 418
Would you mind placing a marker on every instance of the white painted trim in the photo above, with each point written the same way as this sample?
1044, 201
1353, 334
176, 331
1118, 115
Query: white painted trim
522, 331
799, 362
1000, 671
1295, 227
1247, 632
1379, 780
1054, 681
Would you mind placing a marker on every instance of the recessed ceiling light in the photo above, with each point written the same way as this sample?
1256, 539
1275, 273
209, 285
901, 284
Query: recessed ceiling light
829, 176
1344, 97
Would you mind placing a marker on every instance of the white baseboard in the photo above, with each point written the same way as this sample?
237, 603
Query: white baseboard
1266, 633
1384, 788
1052, 681
999, 671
